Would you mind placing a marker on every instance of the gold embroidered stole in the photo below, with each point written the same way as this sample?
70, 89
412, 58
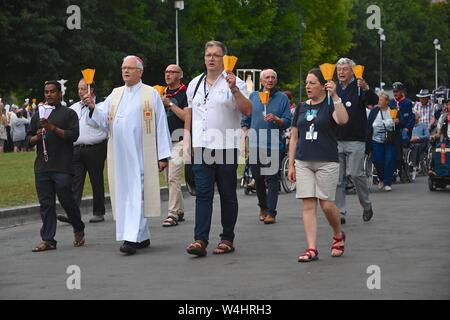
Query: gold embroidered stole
152, 200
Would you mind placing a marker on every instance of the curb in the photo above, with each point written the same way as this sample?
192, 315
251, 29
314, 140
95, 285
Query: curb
19, 215
15, 216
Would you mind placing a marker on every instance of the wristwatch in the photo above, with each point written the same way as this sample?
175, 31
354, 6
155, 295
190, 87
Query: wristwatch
171, 104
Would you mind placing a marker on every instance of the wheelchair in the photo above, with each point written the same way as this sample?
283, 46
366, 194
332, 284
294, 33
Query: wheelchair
248, 183
439, 174
370, 171
422, 167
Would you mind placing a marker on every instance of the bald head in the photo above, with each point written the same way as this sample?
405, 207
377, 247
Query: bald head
173, 76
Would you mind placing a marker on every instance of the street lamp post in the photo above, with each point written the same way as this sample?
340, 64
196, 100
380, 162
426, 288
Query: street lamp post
382, 38
179, 5
437, 46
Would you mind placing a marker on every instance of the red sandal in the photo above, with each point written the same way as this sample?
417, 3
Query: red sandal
310, 254
336, 247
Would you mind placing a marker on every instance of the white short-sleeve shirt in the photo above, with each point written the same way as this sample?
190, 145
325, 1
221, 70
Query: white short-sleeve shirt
216, 121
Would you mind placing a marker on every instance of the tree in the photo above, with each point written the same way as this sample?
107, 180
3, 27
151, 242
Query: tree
408, 52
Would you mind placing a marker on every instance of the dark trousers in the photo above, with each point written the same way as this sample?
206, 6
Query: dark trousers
417, 150
383, 160
48, 185
267, 199
91, 160
207, 172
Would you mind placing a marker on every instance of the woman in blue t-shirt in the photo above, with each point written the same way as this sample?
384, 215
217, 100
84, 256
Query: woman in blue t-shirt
313, 146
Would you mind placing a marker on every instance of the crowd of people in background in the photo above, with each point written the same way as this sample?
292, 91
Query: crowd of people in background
332, 134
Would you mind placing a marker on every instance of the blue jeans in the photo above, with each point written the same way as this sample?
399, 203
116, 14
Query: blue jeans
224, 175
267, 200
48, 185
383, 160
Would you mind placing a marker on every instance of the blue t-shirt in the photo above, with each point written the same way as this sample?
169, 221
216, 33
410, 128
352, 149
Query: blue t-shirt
322, 147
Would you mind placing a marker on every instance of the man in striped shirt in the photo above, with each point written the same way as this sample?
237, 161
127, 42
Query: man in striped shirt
425, 108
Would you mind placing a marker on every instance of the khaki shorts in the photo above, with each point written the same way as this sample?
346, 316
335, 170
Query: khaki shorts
316, 179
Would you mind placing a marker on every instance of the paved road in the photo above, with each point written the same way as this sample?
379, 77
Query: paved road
408, 239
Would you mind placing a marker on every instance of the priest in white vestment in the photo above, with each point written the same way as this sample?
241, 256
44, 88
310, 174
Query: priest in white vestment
139, 147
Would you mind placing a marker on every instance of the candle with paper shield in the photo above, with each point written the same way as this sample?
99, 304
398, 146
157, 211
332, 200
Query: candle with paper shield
229, 62
393, 113
88, 76
358, 71
264, 97
327, 70
160, 89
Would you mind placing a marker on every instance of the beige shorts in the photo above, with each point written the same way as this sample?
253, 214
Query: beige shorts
316, 179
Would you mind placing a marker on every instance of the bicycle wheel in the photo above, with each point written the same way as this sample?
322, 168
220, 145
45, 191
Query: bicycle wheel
287, 185
409, 162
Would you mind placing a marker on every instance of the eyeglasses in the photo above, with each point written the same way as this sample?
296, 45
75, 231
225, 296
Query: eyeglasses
171, 71
128, 68
214, 56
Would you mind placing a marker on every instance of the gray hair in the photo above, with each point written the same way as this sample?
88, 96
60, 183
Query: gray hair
139, 62
348, 61
384, 94
262, 74
214, 43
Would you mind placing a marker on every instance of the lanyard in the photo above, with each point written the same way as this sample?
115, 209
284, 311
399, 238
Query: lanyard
204, 91
170, 95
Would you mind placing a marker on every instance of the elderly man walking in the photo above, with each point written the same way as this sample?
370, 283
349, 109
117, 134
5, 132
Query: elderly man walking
352, 136
139, 143
267, 147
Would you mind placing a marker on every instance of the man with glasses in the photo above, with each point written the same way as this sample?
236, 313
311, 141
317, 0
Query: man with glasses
139, 144
216, 101
175, 102
355, 95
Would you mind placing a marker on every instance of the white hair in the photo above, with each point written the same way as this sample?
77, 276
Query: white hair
139, 62
262, 74
348, 61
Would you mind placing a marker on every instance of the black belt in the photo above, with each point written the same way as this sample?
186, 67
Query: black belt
88, 145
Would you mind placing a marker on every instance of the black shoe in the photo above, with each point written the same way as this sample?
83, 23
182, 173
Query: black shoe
181, 216
342, 220
95, 219
62, 218
367, 214
128, 247
143, 244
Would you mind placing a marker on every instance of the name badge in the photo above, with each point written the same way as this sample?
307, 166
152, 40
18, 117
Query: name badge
312, 136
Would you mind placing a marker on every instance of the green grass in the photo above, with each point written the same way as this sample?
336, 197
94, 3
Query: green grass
17, 179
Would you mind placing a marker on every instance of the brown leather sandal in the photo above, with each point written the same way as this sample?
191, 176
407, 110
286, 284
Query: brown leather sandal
79, 239
44, 246
223, 247
197, 248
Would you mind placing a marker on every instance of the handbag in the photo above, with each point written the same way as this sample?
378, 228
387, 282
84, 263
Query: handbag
389, 136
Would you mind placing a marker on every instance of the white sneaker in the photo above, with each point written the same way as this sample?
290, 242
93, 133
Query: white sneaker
387, 188
380, 185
